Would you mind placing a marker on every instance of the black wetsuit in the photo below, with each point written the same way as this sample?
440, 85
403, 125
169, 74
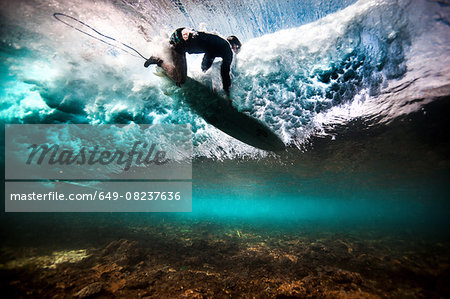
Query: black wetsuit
212, 45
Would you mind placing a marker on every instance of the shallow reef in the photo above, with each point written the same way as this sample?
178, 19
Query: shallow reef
206, 260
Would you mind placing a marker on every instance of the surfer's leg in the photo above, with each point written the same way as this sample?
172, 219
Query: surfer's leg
225, 72
177, 70
207, 62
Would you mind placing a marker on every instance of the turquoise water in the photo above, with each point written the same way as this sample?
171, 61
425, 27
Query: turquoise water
392, 180
390, 193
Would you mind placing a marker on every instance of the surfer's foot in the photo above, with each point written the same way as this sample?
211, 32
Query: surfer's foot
153, 60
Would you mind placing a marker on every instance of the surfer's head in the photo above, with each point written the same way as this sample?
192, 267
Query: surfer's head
181, 36
235, 43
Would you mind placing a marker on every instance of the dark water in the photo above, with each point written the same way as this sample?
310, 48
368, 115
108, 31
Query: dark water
357, 205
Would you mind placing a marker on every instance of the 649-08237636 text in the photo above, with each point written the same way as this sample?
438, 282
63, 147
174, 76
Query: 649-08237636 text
96, 195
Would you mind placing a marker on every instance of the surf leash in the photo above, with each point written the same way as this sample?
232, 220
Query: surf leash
58, 15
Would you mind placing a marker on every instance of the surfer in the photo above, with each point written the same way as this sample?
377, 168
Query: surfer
194, 42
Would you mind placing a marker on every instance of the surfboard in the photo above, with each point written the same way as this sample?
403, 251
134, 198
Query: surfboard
217, 111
